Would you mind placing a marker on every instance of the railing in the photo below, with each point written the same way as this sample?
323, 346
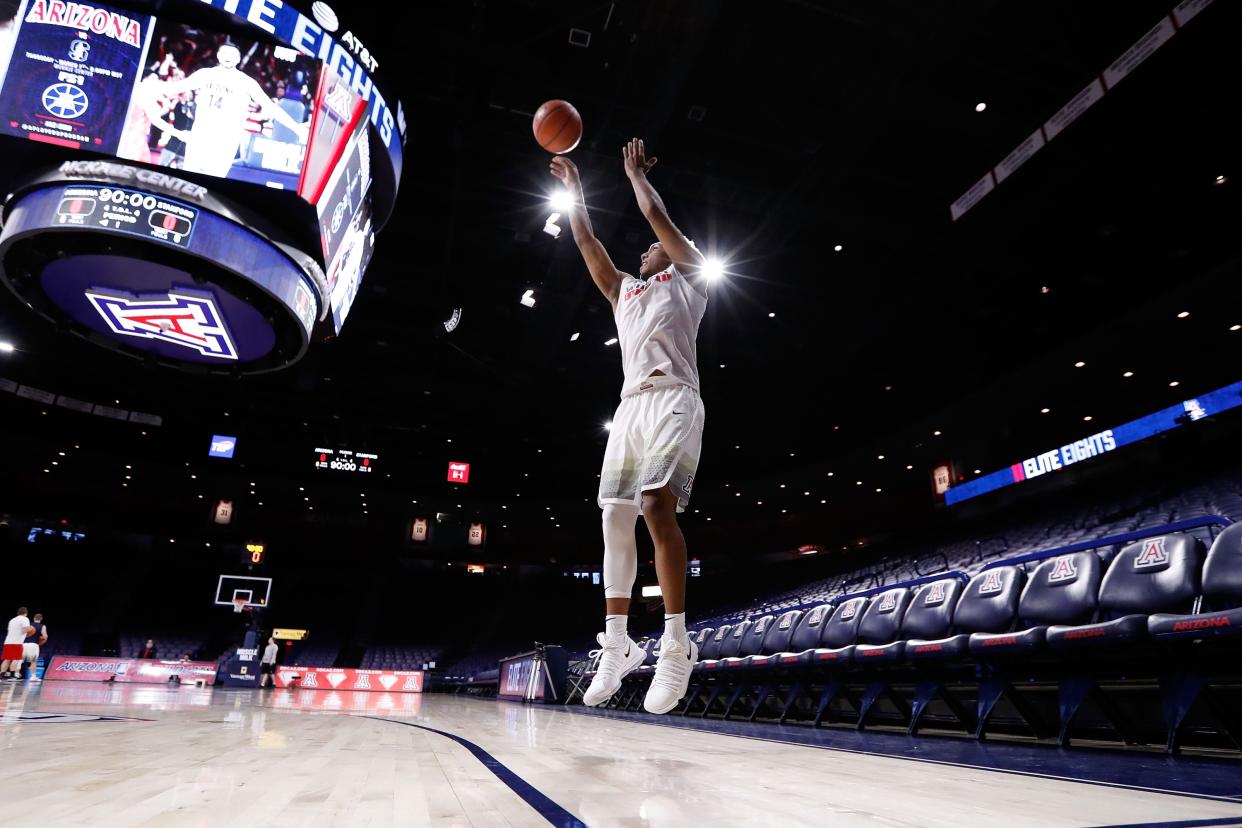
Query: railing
1211, 522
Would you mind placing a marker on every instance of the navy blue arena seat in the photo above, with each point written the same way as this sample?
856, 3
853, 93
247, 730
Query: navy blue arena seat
880, 628
1062, 590
1221, 613
701, 637
752, 643
838, 634
775, 640
930, 619
710, 651
733, 644
1153, 575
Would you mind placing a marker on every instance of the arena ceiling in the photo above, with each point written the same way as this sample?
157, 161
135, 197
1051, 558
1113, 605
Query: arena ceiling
815, 148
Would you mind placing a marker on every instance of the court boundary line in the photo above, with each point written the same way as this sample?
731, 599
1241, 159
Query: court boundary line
1233, 800
532, 796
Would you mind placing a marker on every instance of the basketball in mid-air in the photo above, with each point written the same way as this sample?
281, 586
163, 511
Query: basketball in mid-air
557, 126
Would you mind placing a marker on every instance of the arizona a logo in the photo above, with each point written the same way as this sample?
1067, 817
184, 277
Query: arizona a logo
888, 603
1063, 570
991, 583
182, 316
935, 594
1153, 554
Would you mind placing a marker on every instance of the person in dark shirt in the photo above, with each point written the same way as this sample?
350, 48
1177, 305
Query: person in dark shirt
149, 651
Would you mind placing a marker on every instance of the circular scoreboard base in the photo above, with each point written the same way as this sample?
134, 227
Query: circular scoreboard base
178, 281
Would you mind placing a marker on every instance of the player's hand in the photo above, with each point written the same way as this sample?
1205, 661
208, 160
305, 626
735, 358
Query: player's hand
634, 154
567, 172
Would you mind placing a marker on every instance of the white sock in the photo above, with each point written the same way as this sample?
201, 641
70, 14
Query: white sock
675, 626
614, 626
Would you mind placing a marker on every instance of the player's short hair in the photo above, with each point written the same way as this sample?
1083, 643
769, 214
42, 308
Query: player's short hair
38, 616
21, 610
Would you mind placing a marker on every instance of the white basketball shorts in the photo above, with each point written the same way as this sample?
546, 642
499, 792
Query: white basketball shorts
30, 652
656, 437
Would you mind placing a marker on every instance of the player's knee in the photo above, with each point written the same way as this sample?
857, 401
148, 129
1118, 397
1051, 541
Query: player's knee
618, 518
659, 508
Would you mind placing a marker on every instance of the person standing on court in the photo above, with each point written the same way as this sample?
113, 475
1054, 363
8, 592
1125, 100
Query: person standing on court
267, 667
149, 650
657, 432
11, 657
32, 645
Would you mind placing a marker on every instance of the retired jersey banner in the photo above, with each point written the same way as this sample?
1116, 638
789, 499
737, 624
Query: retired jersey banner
345, 678
133, 670
72, 73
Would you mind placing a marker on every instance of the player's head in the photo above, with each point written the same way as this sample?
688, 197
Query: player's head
38, 616
21, 610
228, 56
150, 642
654, 260
272, 640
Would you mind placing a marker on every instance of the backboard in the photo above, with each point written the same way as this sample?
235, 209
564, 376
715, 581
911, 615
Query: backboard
256, 591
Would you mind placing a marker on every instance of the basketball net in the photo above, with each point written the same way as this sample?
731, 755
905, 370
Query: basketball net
239, 604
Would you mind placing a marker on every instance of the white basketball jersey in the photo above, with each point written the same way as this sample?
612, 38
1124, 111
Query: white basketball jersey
657, 325
221, 104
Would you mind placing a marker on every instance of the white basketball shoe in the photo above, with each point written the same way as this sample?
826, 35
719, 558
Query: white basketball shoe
672, 674
620, 657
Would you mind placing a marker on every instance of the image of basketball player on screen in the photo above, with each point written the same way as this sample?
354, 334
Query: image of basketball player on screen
223, 95
657, 432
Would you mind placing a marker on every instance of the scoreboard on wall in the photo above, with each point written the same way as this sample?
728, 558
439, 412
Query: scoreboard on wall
243, 156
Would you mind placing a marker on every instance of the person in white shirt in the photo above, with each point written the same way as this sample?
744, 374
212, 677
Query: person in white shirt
267, 666
11, 657
222, 98
656, 436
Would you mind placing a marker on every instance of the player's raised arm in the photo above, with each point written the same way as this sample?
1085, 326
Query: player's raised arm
603, 271
675, 244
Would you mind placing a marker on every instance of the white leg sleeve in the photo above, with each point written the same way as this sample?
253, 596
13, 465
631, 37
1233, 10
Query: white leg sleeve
620, 549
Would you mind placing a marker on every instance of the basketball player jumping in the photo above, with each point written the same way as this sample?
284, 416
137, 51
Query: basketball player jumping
222, 98
653, 448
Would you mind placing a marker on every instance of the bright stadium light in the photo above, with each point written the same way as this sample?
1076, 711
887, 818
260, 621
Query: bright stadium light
561, 201
713, 269
7, 347
608, 426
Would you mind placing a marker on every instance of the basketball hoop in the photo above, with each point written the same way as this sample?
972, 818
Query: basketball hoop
239, 604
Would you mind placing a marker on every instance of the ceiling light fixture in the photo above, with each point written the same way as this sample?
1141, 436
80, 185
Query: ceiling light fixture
713, 270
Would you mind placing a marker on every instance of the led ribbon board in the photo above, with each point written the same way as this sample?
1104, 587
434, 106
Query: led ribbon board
1103, 442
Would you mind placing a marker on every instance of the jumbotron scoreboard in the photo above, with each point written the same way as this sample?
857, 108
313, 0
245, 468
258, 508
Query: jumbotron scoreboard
194, 182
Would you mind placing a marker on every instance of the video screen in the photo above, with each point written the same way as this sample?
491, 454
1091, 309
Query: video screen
345, 225
218, 105
68, 71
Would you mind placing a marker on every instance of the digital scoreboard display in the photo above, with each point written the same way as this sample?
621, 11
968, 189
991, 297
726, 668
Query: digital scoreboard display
345, 460
117, 208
